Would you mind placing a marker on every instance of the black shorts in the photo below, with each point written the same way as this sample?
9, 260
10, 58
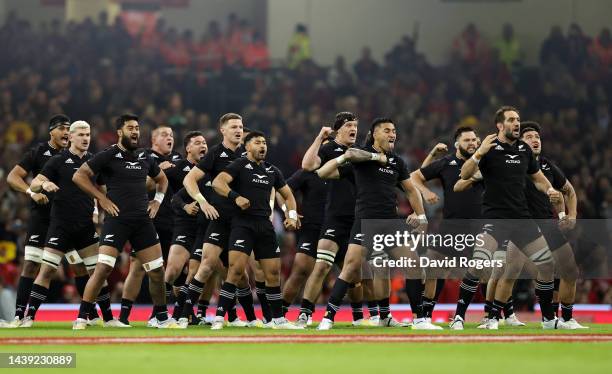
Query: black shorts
38, 226
185, 235
519, 231
198, 244
140, 232
254, 234
338, 230
66, 237
165, 236
555, 238
308, 238
218, 232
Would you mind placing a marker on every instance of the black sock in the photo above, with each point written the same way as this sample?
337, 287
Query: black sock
80, 283
469, 286
544, 292
273, 295
245, 297
202, 306
180, 280
194, 290
38, 295
567, 311
439, 289
103, 301
483, 287
23, 294
232, 314
383, 308
286, 307
428, 306
160, 312
373, 308
555, 307
509, 308
414, 289
335, 298
496, 309
227, 299
126, 308
487, 307
169, 293
260, 290
357, 310
86, 309
307, 307
179, 304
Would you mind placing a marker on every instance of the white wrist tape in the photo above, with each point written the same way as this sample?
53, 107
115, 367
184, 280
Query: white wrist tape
159, 197
476, 160
95, 211
340, 160
200, 198
155, 264
562, 215
293, 215
422, 217
284, 208
29, 192
375, 157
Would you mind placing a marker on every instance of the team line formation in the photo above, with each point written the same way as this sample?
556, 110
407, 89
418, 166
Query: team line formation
197, 223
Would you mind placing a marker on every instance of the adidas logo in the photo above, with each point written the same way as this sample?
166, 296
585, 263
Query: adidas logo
460, 301
208, 184
223, 154
48, 153
69, 161
338, 150
154, 155
186, 168
454, 163
96, 235
175, 157
248, 166
118, 155
277, 249
499, 148
220, 309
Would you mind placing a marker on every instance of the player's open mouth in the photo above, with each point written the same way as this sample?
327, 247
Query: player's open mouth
169, 144
352, 134
65, 138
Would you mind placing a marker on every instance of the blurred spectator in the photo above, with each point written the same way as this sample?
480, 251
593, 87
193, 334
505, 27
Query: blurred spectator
602, 49
469, 46
554, 47
578, 46
509, 47
256, 55
299, 47
366, 69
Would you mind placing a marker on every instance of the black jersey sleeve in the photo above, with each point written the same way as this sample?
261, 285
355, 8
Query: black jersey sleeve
51, 168
433, 170
154, 168
296, 181
98, 161
559, 178
235, 166
178, 199
403, 173
279, 178
532, 163
325, 153
207, 162
28, 160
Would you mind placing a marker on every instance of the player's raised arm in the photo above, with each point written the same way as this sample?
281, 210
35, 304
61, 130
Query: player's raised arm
470, 166
311, 160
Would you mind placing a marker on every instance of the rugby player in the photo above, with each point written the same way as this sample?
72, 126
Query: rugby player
71, 224
130, 215
251, 229
377, 172
505, 162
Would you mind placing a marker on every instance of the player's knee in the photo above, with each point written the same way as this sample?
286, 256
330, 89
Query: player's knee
156, 275
30, 268
235, 274
272, 276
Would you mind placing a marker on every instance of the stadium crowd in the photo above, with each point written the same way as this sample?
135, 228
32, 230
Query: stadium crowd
92, 72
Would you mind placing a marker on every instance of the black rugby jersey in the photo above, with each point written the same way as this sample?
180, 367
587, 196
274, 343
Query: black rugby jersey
341, 192
33, 162
314, 195
539, 204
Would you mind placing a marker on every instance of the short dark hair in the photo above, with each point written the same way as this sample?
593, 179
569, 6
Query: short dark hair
190, 135
254, 134
58, 120
342, 118
375, 123
530, 126
228, 116
246, 129
122, 119
500, 114
461, 130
